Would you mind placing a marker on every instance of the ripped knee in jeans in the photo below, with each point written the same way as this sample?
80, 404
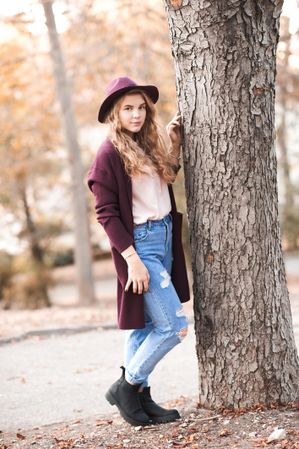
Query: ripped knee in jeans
182, 333
166, 279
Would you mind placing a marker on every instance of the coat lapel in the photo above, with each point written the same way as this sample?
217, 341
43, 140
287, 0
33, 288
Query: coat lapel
129, 190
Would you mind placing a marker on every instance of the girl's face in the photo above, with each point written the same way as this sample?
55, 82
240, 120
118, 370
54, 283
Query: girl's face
132, 113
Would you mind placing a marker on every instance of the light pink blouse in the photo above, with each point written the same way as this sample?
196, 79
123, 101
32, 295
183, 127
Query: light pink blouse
151, 199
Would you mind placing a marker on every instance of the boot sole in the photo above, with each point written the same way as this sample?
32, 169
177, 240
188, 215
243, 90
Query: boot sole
164, 419
113, 401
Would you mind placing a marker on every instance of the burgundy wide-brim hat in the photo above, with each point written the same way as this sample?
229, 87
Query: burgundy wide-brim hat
119, 86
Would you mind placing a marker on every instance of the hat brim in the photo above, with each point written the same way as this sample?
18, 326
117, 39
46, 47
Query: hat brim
150, 90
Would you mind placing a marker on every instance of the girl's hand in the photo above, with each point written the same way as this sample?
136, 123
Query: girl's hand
138, 275
174, 131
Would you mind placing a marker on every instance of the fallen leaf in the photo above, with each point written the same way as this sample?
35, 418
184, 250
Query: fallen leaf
64, 444
38, 437
210, 258
20, 436
177, 444
103, 422
261, 442
193, 437
225, 433
176, 4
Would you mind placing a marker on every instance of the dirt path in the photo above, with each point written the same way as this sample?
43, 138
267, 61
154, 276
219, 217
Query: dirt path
197, 429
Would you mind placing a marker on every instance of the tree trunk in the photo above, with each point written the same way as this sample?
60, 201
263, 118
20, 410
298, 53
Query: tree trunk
83, 257
39, 297
225, 60
35, 248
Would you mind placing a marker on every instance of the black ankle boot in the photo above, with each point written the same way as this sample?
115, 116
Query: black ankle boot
154, 411
127, 399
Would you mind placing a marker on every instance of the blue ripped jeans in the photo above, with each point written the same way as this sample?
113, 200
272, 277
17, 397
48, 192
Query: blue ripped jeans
165, 322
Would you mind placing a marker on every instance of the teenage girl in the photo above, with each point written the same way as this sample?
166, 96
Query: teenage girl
131, 179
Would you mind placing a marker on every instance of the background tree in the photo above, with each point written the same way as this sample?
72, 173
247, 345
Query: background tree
82, 236
225, 56
23, 160
288, 97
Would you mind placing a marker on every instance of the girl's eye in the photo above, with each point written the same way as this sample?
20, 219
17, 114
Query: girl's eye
128, 108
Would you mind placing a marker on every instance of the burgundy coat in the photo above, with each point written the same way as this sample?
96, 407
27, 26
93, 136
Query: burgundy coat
112, 188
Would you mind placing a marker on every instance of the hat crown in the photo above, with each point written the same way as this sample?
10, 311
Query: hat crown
119, 83
120, 86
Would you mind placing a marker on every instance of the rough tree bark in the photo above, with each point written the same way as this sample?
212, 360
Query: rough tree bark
83, 257
225, 60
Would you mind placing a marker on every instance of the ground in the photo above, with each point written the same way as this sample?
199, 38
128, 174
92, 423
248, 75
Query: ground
198, 428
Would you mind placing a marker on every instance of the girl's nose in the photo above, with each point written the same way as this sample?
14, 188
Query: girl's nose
136, 113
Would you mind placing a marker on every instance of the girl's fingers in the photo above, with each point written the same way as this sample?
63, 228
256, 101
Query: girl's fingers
176, 123
173, 126
135, 287
129, 281
140, 288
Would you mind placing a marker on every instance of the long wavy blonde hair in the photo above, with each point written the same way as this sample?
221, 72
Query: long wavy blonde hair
147, 148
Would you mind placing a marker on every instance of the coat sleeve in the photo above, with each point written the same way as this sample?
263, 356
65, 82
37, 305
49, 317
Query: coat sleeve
104, 187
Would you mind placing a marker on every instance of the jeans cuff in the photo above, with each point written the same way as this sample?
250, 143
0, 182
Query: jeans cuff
131, 379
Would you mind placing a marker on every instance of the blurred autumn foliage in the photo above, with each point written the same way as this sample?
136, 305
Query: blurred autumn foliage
100, 40
287, 131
